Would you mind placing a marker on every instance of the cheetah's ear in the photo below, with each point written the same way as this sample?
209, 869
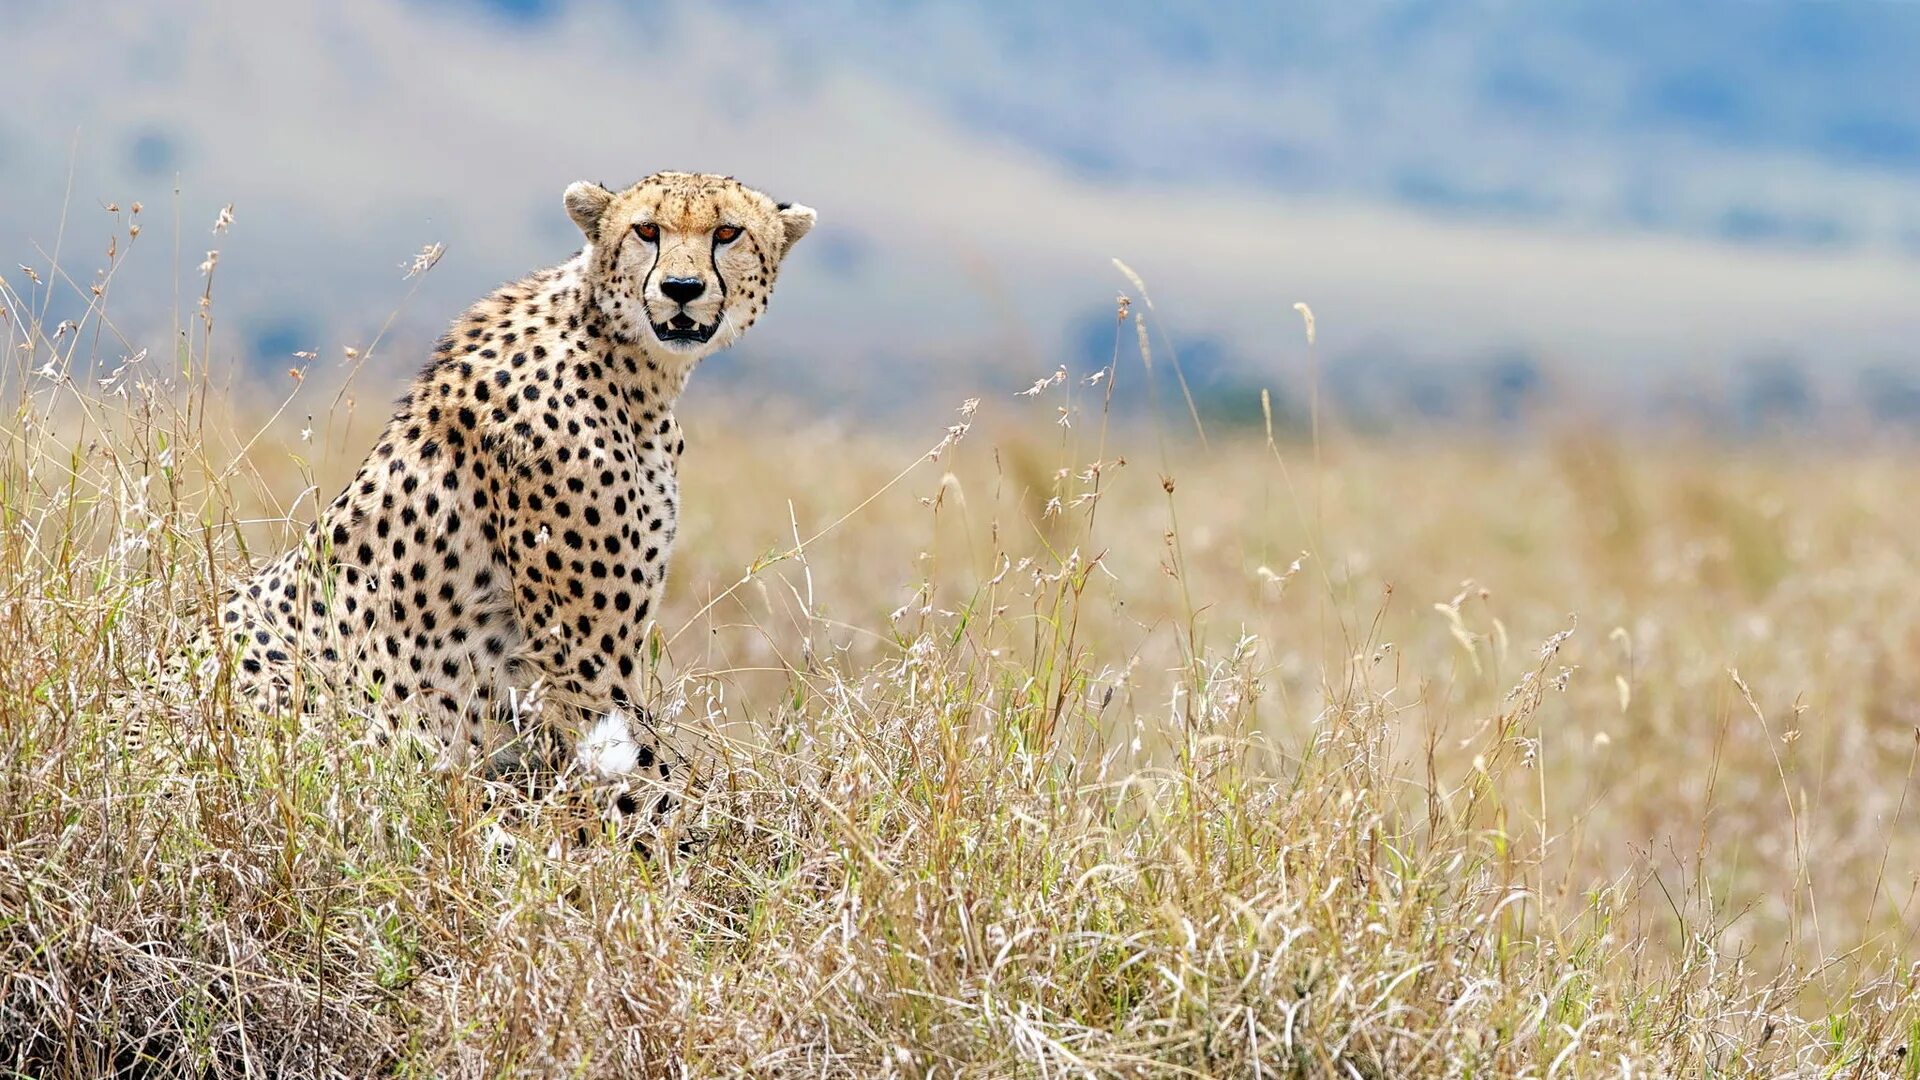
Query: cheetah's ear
586, 201
797, 219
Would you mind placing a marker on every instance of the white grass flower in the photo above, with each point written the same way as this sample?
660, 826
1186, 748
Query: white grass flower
1551, 647
1059, 376
956, 432
425, 259
1279, 581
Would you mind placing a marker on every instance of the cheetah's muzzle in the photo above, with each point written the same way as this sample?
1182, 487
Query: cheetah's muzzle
682, 328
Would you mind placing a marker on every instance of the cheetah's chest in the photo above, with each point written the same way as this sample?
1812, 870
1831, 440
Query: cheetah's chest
612, 514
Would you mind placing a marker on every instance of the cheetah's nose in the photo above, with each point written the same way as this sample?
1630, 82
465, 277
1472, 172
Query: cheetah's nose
684, 290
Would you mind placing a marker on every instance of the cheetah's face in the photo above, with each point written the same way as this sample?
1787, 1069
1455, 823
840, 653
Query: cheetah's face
683, 263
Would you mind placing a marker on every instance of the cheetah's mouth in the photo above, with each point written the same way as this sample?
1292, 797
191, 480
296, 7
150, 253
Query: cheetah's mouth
682, 328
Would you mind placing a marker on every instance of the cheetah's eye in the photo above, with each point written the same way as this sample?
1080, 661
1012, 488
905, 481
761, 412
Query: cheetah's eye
648, 231
727, 234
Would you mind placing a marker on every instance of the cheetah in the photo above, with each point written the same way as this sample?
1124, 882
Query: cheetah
483, 582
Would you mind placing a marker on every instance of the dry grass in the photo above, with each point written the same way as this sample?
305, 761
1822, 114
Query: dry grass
1273, 759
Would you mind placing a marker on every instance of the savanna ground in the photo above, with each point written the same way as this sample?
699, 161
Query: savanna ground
1082, 747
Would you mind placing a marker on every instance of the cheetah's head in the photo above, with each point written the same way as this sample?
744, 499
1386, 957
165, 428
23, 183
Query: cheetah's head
683, 263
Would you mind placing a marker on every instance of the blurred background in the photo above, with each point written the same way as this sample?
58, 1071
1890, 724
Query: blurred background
1701, 216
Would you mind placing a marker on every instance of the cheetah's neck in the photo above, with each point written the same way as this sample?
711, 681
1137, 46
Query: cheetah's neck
657, 378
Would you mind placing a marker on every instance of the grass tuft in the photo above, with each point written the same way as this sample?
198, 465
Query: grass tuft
1068, 748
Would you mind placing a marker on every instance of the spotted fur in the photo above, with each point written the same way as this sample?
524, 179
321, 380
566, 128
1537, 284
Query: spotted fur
484, 580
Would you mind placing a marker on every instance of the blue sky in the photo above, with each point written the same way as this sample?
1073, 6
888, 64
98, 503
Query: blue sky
1638, 195
1442, 106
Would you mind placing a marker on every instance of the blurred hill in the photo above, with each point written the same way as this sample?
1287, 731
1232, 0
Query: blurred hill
1482, 201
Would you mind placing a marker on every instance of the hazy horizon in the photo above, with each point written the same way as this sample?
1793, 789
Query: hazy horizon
1635, 206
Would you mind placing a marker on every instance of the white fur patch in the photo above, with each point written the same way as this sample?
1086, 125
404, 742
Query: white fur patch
609, 749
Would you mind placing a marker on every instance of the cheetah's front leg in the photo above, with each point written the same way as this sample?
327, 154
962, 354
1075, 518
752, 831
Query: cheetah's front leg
582, 655
607, 736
